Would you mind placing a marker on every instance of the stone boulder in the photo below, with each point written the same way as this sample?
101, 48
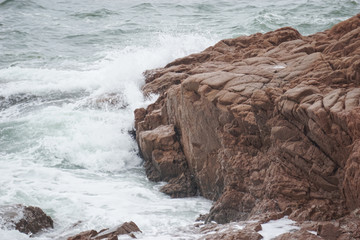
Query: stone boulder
26, 219
165, 161
126, 228
299, 235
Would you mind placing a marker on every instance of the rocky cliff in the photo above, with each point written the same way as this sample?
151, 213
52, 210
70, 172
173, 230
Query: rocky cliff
260, 123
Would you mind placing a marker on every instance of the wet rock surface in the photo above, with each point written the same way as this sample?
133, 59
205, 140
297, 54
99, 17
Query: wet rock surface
231, 231
26, 219
346, 227
126, 228
261, 123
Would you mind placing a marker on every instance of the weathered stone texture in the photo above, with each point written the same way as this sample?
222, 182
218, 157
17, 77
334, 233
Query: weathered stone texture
25, 219
261, 123
127, 228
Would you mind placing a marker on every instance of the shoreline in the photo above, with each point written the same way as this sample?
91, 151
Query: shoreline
265, 125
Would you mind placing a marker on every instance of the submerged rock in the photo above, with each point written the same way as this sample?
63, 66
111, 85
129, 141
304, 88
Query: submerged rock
6, 102
266, 123
108, 234
26, 219
107, 101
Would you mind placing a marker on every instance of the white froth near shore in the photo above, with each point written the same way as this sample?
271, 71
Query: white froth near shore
275, 228
74, 157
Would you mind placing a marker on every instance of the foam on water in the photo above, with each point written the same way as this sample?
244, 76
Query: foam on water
274, 228
78, 162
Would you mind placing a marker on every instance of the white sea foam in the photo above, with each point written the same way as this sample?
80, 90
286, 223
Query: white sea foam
279, 66
12, 234
277, 227
78, 162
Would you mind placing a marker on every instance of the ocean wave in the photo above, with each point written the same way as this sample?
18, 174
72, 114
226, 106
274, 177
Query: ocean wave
54, 98
17, 4
3, 2
99, 13
143, 6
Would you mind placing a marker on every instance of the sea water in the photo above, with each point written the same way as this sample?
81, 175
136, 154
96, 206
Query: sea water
70, 79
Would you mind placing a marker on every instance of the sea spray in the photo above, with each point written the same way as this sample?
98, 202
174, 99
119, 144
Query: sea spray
71, 152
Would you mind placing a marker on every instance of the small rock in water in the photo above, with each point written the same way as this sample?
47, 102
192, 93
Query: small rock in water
108, 101
84, 235
108, 234
14, 99
26, 219
202, 217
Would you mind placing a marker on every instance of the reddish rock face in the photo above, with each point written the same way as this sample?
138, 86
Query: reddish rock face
261, 123
108, 234
299, 235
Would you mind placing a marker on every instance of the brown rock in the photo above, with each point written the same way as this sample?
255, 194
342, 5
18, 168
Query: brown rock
86, 235
254, 226
164, 82
241, 235
299, 235
108, 234
26, 219
328, 231
349, 226
160, 147
263, 124
352, 178
342, 28
232, 205
230, 232
182, 186
165, 161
